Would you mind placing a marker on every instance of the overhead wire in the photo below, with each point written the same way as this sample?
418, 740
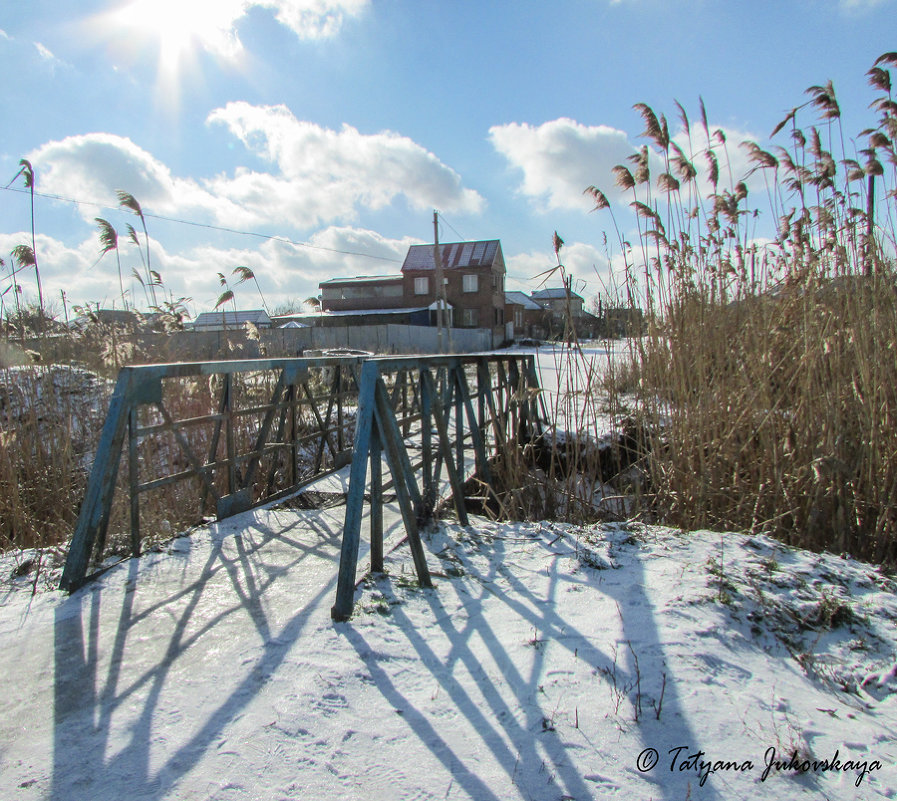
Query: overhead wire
240, 232
224, 229
446, 222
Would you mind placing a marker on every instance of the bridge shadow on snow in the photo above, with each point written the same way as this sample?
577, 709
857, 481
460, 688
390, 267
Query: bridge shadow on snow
531, 751
93, 682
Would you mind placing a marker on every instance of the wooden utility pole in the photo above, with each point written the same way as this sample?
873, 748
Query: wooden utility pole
440, 283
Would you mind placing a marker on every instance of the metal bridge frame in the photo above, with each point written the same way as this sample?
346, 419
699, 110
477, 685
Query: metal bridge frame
237, 473
430, 397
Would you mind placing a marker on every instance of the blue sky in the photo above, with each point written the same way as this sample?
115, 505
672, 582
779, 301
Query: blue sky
342, 125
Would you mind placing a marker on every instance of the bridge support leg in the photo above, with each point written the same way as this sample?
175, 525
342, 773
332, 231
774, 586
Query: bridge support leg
404, 482
376, 503
345, 582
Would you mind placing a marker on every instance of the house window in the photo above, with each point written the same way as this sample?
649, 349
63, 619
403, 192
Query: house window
470, 318
422, 286
470, 283
499, 317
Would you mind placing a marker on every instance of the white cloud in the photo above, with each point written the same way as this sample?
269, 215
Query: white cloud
852, 5
44, 52
212, 25
585, 264
334, 250
320, 176
62, 268
559, 159
92, 166
48, 57
312, 19
284, 271
328, 175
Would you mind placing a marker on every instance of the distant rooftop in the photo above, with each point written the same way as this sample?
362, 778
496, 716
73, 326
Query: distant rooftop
522, 299
361, 279
553, 294
400, 310
454, 255
232, 319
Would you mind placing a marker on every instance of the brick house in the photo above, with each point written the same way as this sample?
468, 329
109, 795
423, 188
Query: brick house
474, 278
555, 301
526, 316
473, 275
558, 303
363, 292
622, 322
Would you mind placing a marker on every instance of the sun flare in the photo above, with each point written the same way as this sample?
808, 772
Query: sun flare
179, 31
182, 25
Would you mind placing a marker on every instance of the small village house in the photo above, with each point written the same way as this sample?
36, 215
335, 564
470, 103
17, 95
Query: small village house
525, 315
473, 281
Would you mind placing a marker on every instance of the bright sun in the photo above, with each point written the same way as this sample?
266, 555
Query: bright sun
180, 30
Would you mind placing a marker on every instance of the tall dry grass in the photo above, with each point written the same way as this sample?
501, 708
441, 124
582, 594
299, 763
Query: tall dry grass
768, 376
50, 417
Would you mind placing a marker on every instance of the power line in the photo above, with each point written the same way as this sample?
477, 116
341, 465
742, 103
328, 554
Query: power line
272, 237
460, 236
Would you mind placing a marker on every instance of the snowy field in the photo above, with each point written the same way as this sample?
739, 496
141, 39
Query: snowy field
548, 662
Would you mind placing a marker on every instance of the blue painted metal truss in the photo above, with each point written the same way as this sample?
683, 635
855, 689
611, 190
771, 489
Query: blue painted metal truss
442, 414
223, 437
230, 434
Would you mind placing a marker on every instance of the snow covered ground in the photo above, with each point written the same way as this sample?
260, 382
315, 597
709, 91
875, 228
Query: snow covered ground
548, 662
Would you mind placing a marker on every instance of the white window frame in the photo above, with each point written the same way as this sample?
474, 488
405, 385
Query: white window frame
470, 282
422, 285
470, 318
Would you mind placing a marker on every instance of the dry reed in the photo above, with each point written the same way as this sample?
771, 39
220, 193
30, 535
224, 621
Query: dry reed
768, 377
